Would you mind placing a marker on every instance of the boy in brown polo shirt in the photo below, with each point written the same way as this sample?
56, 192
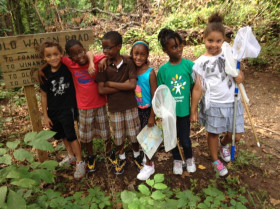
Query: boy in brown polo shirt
118, 82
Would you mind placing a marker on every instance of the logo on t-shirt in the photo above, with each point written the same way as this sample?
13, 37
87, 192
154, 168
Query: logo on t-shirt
177, 84
59, 88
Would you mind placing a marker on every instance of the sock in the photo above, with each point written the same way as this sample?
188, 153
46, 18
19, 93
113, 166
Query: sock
136, 154
122, 156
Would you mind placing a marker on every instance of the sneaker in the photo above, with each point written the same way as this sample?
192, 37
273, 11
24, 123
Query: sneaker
146, 172
191, 168
111, 157
178, 167
119, 168
224, 151
139, 162
91, 163
219, 167
67, 161
80, 170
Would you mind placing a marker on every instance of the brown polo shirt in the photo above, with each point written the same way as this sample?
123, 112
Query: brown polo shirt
122, 100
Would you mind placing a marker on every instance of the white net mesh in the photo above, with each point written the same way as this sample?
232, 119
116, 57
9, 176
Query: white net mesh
164, 106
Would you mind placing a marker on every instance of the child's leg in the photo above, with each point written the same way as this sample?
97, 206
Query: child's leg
76, 148
183, 134
227, 139
213, 142
68, 147
88, 148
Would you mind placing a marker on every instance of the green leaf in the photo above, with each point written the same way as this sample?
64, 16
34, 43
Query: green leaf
15, 200
158, 195
6, 159
51, 194
25, 183
29, 136
41, 144
15, 173
49, 165
45, 135
1, 144
150, 182
13, 145
22, 154
159, 178
160, 186
3, 193
127, 196
3, 151
44, 174
144, 189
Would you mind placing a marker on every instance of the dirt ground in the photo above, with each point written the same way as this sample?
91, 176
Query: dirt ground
262, 174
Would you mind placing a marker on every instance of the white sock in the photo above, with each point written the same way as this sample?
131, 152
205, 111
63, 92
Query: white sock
136, 154
122, 156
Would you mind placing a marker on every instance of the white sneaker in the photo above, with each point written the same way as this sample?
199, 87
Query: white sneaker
146, 172
220, 168
224, 151
80, 170
67, 161
177, 167
191, 168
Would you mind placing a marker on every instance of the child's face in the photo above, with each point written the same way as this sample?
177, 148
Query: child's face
78, 54
174, 49
213, 43
140, 55
110, 49
52, 56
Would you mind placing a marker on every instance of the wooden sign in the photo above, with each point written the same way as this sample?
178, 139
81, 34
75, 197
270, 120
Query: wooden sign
21, 53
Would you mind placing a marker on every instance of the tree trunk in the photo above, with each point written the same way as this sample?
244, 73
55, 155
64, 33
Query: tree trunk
119, 9
14, 7
107, 5
93, 6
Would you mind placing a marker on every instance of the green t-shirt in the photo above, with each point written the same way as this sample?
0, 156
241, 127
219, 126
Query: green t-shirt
178, 78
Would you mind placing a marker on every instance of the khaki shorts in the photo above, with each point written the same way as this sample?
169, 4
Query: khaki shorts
93, 123
124, 124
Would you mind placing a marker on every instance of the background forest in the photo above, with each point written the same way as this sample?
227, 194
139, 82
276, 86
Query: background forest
254, 179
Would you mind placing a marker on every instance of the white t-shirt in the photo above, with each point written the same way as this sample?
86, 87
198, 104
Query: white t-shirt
218, 86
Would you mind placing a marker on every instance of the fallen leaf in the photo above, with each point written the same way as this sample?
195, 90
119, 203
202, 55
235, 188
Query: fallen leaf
274, 202
185, 174
201, 167
195, 144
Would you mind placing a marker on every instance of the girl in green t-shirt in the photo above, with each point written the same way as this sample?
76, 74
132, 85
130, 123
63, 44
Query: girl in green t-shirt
177, 75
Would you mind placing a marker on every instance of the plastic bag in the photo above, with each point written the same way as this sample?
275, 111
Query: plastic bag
150, 139
245, 44
164, 106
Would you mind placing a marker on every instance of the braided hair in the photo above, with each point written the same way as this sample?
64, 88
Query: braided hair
166, 34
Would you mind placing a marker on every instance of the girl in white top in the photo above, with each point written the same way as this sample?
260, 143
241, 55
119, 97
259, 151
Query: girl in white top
217, 103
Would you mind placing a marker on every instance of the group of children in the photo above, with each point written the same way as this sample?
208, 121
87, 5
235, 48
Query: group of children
127, 85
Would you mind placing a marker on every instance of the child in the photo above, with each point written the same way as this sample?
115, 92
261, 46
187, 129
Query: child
216, 106
145, 89
118, 82
58, 103
93, 120
176, 74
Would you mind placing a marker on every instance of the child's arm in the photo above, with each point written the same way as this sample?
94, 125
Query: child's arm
91, 69
102, 89
196, 95
44, 99
240, 78
130, 84
41, 74
153, 85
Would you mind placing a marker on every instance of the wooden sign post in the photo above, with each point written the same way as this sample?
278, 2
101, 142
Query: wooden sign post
19, 59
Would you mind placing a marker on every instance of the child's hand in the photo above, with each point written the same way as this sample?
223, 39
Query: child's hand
194, 116
48, 122
107, 84
102, 65
151, 122
240, 78
91, 69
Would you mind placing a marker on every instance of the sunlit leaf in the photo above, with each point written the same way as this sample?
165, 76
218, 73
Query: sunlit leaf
13, 145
